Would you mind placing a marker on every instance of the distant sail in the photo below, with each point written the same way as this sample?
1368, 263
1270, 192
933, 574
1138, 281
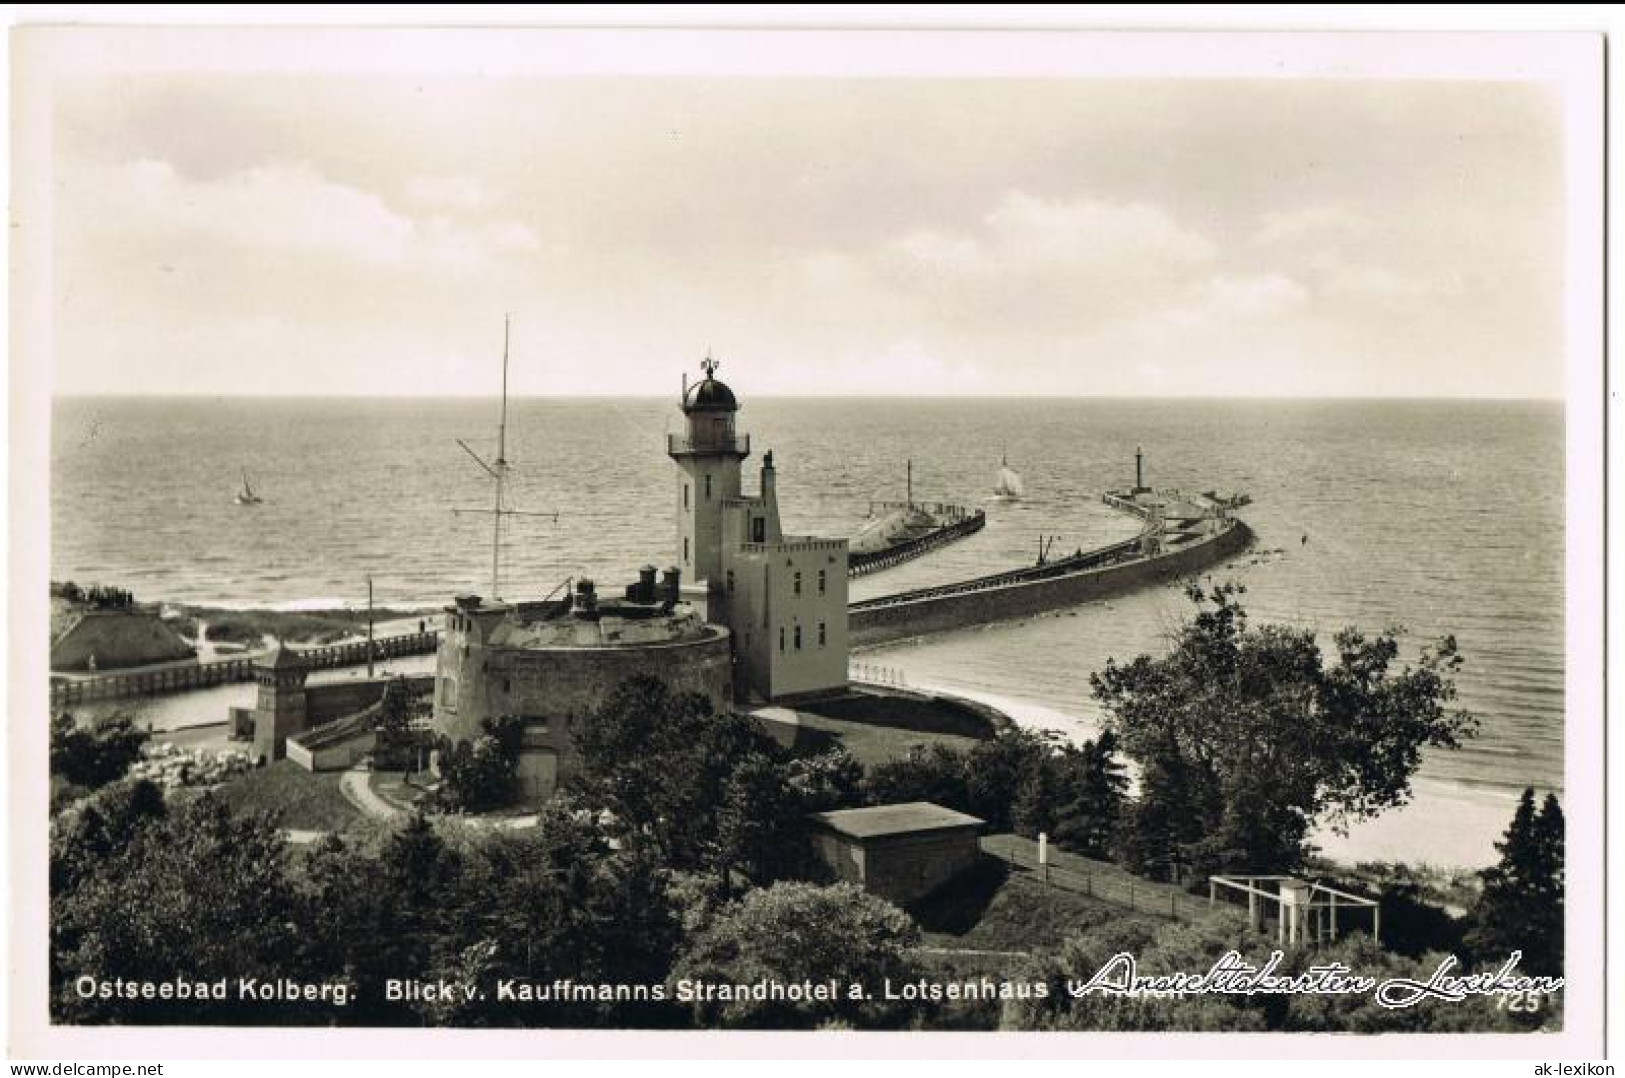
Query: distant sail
246, 496
1008, 484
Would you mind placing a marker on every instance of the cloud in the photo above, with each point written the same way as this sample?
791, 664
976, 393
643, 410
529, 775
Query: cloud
1376, 282
448, 192
1083, 240
288, 208
1260, 295
277, 206
1285, 226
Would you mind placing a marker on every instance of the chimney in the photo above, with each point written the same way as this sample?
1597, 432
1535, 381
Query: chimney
586, 598
769, 485
671, 584
646, 584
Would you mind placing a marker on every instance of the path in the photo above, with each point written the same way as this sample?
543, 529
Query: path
357, 790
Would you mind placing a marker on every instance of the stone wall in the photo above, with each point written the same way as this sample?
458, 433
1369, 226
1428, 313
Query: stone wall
323, 705
900, 868
941, 613
340, 754
334, 700
552, 688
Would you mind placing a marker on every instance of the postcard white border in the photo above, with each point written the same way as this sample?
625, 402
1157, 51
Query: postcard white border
1571, 63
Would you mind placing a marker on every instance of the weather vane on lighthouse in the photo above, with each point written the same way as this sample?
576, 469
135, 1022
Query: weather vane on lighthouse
498, 471
709, 365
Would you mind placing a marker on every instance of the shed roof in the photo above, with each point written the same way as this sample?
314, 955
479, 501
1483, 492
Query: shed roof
910, 817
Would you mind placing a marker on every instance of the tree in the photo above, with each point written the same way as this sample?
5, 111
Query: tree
1037, 799
999, 770
99, 828
760, 825
555, 903
394, 725
1521, 905
640, 759
96, 755
1247, 738
484, 775
710, 792
1093, 791
830, 780
197, 895
792, 933
934, 773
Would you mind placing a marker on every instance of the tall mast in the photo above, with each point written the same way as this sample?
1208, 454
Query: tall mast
502, 424
498, 471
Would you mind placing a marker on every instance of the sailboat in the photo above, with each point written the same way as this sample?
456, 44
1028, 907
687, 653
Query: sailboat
246, 496
1007, 487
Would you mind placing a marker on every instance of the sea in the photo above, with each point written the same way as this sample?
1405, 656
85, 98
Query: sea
1435, 517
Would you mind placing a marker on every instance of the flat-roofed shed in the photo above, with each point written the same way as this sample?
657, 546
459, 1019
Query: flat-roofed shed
899, 852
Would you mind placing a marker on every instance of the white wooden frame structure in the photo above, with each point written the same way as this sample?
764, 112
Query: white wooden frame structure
1305, 912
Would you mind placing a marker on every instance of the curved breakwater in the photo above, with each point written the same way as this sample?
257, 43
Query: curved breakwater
1086, 577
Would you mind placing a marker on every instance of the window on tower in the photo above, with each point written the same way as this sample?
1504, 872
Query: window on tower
685, 495
821, 581
781, 638
758, 529
708, 487
821, 636
798, 638
798, 584
685, 550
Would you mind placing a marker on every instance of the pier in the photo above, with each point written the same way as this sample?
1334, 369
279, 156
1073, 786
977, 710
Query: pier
960, 524
175, 677
1182, 534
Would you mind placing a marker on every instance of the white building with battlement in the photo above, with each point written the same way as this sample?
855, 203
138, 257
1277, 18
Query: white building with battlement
782, 597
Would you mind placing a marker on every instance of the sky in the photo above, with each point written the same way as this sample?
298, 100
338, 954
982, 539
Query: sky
314, 233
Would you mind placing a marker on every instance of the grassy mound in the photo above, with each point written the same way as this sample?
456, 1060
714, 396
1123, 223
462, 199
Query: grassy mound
918, 714
995, 909
303, 800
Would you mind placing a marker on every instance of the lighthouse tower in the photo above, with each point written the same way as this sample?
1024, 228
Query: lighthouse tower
708, 455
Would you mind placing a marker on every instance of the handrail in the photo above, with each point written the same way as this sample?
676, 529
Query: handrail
715, 443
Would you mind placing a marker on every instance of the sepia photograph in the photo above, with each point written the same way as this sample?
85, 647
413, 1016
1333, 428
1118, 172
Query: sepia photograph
873, 532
